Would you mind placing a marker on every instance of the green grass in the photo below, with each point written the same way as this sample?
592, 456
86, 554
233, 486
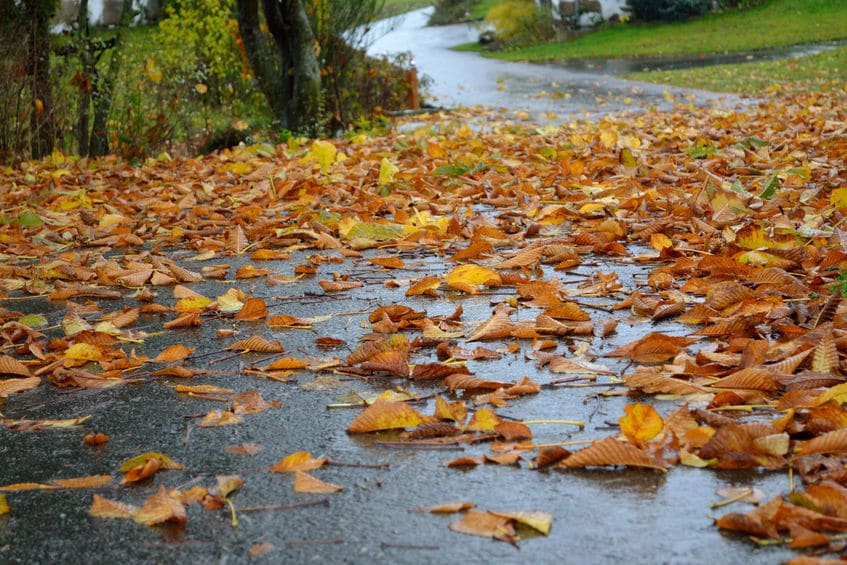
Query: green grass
777, 23
822, 72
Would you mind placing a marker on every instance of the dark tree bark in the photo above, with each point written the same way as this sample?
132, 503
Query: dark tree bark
292, 84
39, 13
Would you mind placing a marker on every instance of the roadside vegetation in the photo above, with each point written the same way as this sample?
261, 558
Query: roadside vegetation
821, 72
797, 21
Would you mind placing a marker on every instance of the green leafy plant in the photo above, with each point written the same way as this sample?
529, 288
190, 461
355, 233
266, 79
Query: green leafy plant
519, 22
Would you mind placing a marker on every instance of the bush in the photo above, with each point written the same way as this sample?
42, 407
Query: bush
518, 22
450, 11
669, 10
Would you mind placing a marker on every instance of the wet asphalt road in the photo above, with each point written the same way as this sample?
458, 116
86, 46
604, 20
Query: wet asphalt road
547, 93
600, 516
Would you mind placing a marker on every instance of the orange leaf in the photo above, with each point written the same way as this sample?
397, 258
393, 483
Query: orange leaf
250, 272
286, 364
83, 482
298, 461
4, 505
11, 366
160, 508
496, 327
446, 508
143, 471
426, 286
385, 415
253, 309
248, 449
13, 386
256, 343
486, 525
173, 353
641, 423
217, 418
609, 451
388, 262
337, 286
304, 482
652, 348
105, 508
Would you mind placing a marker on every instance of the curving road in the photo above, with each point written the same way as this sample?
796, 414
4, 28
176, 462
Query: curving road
546, 92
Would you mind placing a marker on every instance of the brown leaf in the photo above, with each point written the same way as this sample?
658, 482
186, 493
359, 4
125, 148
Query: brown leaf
609, 451
486, 525
257, 344
12, 367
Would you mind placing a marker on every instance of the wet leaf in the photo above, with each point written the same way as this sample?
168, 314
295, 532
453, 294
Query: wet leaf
446, 508
486, 525
641, 423
304, 482
173, 353
298, 461
105, 508
385, 415
160, 508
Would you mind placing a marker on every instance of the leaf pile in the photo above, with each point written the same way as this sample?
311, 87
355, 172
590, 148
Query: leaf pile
736, 215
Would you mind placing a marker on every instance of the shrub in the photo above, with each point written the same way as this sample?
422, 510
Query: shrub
669, 10
517, 22
450, 11
200, 44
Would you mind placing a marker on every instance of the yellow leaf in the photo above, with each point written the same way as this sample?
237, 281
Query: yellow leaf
324, 152
608, 138
230, 301
152, 71
838, 197
541, 521
192, 304
387, 170
83, 352
659, 241
167, 462
469, 278
4, 505
484, 420
641, 423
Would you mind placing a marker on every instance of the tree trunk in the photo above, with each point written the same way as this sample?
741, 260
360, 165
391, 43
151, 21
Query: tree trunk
304, 102
293, 86
264, 62
38, 62
85, 80
105, 89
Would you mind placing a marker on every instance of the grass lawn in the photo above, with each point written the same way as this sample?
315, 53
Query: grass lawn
822, 72
777, 23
